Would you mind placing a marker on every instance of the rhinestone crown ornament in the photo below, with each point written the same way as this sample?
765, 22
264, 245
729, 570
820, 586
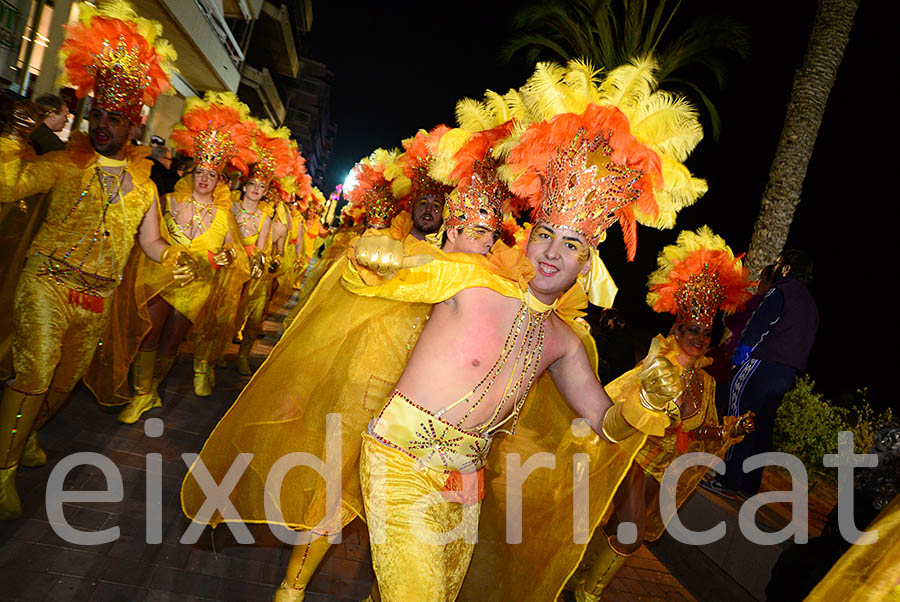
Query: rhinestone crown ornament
120, 78
584, 189
480, 203
213, 148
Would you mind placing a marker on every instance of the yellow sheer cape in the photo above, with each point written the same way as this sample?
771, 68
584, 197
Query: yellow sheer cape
342, 355
867, 573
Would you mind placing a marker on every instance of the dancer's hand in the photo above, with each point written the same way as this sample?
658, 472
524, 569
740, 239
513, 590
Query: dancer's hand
385, 256
660, 381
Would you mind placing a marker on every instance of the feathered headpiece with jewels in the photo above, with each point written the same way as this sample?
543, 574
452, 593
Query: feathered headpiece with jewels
380, 188
696, 277
118, 56
216, 131
274, 155
464, 159
416, 160
597, 153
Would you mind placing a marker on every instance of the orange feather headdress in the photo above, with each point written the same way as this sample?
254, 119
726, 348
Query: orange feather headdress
118, 56
216, 131
696, 277
274, 155
381, 195
416, 160
591, 153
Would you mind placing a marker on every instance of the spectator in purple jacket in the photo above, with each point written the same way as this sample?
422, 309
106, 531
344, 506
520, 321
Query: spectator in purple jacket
773, 348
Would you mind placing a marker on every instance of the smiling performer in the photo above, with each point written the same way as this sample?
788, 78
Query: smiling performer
215, 131
101, 201
586, 168
697, 277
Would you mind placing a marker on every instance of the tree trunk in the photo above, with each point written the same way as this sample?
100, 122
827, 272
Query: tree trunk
809, 93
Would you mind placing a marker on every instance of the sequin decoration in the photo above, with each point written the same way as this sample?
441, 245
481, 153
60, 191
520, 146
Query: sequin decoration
381, 206
120, 79
584, 194
213, 148
480, 203
699, 297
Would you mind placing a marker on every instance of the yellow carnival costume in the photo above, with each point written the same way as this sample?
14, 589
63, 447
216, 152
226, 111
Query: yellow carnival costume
696, 277
276, 159
77, 258
215, 131
867, 573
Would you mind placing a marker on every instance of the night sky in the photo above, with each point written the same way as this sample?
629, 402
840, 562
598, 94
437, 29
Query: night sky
404, 68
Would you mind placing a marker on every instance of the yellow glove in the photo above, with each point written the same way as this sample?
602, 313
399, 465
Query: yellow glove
746, 424
660, 381
385, 256
181, 263
274, 264
258, 264
224, 257
25, 116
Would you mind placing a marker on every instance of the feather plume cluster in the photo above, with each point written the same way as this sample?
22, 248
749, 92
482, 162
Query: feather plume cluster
109, 30
216, 130
697, 276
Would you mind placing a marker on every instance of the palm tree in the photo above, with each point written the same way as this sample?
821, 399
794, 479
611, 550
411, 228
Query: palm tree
608, 33
809, 93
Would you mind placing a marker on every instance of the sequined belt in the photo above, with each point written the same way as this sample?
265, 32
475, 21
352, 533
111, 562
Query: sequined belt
86, 290
436, 443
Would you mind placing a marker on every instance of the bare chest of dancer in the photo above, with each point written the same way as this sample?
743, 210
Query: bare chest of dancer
477, 357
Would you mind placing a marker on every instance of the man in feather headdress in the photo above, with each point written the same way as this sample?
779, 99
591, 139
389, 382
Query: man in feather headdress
100, 197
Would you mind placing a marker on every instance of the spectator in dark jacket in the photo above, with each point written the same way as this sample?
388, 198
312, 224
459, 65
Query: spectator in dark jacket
773, 348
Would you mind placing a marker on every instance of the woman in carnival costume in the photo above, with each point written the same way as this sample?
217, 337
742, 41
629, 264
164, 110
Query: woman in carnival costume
696, 277
254, 213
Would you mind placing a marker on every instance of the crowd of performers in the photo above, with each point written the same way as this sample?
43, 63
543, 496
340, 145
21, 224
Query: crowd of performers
441, 321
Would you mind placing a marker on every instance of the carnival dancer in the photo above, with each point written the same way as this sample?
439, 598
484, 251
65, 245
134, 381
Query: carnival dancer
216, 132
254, 216
287, 230
427, 195
586, 170
696, 277
101, 200
358, 365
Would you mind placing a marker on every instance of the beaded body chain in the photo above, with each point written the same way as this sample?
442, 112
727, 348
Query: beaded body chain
528, 326
195, 223
244, 217
63, 267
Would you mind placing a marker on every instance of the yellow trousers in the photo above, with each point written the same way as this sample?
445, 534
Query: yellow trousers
421, 543
53, 343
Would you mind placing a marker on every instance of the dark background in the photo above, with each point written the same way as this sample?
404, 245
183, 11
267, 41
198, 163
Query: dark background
403, 65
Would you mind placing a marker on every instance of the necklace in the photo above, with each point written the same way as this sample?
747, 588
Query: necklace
196, 222
245, 217
65, 267
527, 327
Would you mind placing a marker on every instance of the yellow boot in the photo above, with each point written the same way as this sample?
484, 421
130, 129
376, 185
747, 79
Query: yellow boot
161, 371
10, 504
607, 563
33, 456
242, 362
302, 566
18, 412
202, 384
145, 397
